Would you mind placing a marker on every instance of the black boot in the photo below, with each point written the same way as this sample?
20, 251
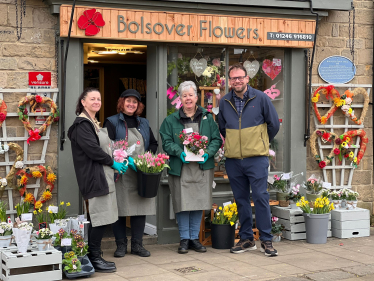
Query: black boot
183, 246
121, 248
196, 245
108, 262
138, 249
99, 263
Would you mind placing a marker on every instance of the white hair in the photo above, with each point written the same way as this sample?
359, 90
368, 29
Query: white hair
185, 86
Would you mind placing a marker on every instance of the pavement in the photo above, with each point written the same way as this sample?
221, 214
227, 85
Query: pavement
338, 259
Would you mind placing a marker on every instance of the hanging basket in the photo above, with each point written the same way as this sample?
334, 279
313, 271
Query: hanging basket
148, 184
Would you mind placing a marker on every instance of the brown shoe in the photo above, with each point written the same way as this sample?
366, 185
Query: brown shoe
243, 246
267, 248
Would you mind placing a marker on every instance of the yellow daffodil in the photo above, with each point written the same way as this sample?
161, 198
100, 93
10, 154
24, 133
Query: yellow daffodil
35, 212
232, 223
220, 208
62, 203
50, 212
40, 210
355, 160
68, 204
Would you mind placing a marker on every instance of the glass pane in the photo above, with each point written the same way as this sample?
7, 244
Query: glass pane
265, 70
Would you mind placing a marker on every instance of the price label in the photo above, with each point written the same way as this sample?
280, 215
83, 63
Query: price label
326, 185
226, 203
81, 218
65, 242
188, 130
54, 209
26, 217
286, 176
214, 184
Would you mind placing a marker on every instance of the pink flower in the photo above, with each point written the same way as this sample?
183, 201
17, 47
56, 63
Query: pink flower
312, 181
216, 62
186, 142
162, 162
159, 155
201, 152
119, 155
274, 219
158, 164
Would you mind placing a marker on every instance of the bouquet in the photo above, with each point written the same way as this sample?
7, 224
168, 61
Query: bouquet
294, 194
71, 262
6, 229
279, 184
276, 229
22, 233
150, 163
194, 142
44, 233
119, 150
313, 185
226, 215
320, 206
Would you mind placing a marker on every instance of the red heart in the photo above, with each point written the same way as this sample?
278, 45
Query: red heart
271, 69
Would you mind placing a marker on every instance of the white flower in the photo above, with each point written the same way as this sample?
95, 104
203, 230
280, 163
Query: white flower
1, 230
74, 266
3, 182
345, 108
19, 165
348, 101
6, 147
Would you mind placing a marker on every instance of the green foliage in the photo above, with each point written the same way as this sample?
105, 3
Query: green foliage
3, 207
71, 262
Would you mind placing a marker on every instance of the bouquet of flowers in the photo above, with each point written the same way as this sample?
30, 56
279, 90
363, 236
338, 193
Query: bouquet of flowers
6, 229
71, 262
320, 206
294, 194
194, 144
119, 150
44, 233
313, 185
150, 164
226, 215
22, 232
276, 229
279, 184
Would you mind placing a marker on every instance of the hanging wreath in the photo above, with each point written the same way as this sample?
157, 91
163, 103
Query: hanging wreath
329, 92
348, 98
45, 172
36, 101
3, 111
345, 144
18, 164
326, 136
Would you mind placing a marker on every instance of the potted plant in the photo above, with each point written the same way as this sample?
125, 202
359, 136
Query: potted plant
22, 233
316, 219
194, 145
61, 234
276, 229
352, 199
335, 198
282, 190
23, 207
57, 219
79, 247
40, 216
344, 193
44, 239
313, 187
150, 167
294, 196
223, 226
5, 234
71, 262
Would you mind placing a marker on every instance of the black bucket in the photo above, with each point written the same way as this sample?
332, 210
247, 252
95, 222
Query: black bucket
223, 236
148, 184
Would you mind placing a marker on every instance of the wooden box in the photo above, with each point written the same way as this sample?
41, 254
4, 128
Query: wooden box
350, 223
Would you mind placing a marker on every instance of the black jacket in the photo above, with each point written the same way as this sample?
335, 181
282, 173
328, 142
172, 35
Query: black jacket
88, 158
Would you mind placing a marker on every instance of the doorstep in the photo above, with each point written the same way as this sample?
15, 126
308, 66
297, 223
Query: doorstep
110, 242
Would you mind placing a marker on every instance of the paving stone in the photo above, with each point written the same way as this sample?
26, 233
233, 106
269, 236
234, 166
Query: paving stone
361, 270
330, 275
291, 278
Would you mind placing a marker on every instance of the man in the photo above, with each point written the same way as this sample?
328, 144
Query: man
248, 121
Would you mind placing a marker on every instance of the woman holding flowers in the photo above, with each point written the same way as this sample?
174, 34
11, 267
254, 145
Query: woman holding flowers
128, 126
94, 166
190, 182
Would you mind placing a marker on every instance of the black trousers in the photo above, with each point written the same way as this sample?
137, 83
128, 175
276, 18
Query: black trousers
95, 236
137, 227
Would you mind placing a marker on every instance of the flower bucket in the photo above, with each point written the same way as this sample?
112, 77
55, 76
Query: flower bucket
312, 197
316, 226
5, 241
281, 197
148, 184
223, 236
192, 157
44, 244
277, 238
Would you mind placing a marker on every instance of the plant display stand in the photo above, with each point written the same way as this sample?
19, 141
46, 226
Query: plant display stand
33, 265
350, 223
294, 223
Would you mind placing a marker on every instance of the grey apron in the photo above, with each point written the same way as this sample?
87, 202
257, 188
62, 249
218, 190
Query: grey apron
192, 191
103, 209
128, 201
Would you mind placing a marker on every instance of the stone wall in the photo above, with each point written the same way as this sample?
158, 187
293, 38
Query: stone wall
333, 40
35, 51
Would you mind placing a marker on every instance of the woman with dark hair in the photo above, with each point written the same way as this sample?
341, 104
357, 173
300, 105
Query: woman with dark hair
127, 125
94, 166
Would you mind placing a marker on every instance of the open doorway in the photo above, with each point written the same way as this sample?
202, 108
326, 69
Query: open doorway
114, 68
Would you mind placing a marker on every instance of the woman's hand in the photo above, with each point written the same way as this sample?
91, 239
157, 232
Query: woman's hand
120, 167
205, 155
132, 164
182, 156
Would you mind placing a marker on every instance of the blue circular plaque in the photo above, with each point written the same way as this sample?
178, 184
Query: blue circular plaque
337, 70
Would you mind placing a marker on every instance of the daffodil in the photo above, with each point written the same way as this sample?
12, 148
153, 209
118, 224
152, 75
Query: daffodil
62, 203
220, 208
355, 160
232, 223
68, 204
35, 212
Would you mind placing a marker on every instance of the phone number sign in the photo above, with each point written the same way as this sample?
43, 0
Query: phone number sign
290, 36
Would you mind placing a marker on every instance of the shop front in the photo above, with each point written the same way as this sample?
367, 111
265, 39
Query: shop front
117, 48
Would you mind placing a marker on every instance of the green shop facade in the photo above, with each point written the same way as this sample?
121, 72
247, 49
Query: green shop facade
271, 39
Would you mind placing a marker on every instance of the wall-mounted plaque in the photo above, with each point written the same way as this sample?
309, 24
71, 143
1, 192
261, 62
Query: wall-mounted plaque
337, 70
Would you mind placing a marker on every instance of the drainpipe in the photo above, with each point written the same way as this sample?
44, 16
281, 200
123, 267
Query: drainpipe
309, 96
372, 110
63, 83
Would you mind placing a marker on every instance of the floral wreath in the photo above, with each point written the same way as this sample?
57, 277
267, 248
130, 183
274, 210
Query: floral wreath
344, 144
328, 91
16, 165
3, 111
36, 101
326, 136
40, 171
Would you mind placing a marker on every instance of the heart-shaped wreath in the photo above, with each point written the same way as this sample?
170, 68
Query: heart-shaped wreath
344, 144
326, 136
3, 111
328, 92
36, 101
16, 165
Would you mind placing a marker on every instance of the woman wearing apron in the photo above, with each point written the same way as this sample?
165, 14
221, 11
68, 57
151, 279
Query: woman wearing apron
127, 125
94, 166
190, 182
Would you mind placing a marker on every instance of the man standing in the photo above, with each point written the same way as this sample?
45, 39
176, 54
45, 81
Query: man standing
248, 121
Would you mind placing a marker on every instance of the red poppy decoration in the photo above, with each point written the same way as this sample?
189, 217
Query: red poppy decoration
336, 151
90, 21
322, 164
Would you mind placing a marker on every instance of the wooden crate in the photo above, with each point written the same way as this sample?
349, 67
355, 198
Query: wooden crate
350, 223
293, 221
33, 265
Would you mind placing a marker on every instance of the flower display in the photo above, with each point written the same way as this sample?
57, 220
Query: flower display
28, 226
320, 206
313, 185
72, 264
226, 215
6, 229
279, 184
194, 142
294, 194
151, 163
44, 233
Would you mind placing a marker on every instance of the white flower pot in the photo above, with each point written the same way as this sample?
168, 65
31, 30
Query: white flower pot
351, 204
337, 203
277, 238
44, 244
5, 241
293, 205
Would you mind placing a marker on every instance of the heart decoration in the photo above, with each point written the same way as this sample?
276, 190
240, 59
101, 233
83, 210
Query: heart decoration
328, 91
16, 165
348, 98
271, 69
251, 67
215, 110
3, 111
198, 66
344, 141
272, 92
326, 136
